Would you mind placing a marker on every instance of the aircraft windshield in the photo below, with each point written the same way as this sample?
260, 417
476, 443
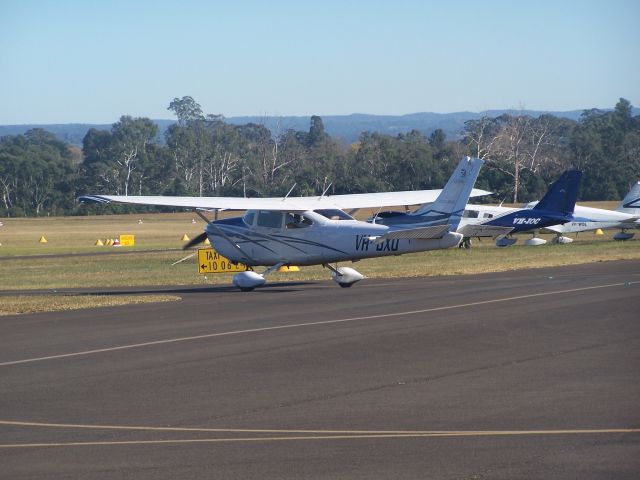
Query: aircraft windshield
334, 214
249, 216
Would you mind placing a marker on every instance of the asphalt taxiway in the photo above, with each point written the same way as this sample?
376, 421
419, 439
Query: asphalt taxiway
525, 374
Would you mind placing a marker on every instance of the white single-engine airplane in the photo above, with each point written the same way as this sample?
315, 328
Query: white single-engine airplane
316, 230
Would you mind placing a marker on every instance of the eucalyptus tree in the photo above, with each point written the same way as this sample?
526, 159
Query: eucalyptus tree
36, 173
186, 109
130, 140
606, 144
520, 148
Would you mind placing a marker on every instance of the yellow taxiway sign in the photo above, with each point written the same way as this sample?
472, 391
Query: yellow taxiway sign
210, 261
127, 240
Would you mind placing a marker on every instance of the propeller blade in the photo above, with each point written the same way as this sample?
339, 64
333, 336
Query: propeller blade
195, 241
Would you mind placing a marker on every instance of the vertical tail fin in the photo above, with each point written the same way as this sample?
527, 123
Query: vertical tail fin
449, 206
561, 196
631, 202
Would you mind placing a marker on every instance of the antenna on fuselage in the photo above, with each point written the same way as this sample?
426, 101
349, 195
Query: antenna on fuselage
289, 192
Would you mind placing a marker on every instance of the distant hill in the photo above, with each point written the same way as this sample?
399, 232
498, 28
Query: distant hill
346, 127
73, 133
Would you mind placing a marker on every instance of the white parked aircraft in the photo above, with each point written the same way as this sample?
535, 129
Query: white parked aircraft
584, 219
589, 219
316, 230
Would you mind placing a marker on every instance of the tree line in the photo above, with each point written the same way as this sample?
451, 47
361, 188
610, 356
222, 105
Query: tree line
205, 156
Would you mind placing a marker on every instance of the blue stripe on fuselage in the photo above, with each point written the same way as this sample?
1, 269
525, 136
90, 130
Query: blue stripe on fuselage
523, 220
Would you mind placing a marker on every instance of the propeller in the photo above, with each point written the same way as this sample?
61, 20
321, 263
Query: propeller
195, 241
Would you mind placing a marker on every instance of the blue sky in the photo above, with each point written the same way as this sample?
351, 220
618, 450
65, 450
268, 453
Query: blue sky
88, 61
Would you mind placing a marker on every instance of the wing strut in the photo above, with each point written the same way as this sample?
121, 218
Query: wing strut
201, 215
289, 192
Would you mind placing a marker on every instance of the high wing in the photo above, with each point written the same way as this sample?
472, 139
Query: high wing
351, 201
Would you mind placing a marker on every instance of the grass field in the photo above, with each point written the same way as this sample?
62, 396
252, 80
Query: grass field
19, 236
27, 264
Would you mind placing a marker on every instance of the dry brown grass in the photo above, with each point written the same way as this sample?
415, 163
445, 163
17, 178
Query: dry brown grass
19, 236
13, 305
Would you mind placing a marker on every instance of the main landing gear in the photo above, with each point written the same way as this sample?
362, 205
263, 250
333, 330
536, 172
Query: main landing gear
505, 241
247, 281
623, 235
535, 240
344, 276
561, 239
465, 243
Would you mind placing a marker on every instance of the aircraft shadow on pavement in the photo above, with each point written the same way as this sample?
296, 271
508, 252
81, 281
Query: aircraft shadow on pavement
280, 287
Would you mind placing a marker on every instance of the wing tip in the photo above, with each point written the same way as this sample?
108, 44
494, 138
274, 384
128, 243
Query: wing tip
93, 199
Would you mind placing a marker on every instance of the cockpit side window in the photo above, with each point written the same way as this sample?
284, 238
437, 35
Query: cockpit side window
270, 219
334, 214
295, 220
470, 214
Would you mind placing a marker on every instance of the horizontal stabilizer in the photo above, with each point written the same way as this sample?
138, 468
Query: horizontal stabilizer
434, 231
479, 230
557, 229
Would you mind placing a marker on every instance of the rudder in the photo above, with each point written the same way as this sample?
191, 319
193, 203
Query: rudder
450, 204
562, 195
631, 202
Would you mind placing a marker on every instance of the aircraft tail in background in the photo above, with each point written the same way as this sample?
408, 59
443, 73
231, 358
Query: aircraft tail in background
631, 202
450, 204
561, 196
